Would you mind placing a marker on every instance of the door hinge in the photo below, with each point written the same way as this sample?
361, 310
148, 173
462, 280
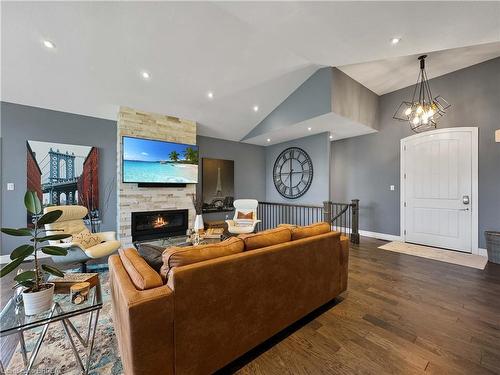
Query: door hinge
404, 176
404, 147
405, 204
404, 231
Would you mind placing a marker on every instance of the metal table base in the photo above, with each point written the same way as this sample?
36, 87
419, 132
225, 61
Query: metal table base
87, 341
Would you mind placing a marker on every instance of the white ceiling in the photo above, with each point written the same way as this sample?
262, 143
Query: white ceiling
336, 126
247, 53
383, 76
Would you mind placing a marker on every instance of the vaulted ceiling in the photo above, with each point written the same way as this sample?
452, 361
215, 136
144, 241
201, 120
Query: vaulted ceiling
247, 53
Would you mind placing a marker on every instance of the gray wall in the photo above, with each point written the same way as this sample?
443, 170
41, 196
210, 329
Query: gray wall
21, 123
249, 168
352, 100
318, 148
311, 99
365, 166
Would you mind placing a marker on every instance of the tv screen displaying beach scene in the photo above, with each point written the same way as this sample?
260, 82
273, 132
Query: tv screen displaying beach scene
154, 161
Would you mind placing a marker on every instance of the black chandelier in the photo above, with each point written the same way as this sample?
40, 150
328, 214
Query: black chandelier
423, 111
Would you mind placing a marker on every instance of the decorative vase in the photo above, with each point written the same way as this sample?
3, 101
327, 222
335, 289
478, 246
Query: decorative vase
198, 224
38, 302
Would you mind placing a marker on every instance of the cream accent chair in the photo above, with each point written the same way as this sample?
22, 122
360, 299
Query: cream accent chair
71, 221
244, 206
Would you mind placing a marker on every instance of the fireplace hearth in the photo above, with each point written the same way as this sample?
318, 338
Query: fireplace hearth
149, 225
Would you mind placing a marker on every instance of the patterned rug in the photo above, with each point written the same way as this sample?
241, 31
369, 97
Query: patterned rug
56, 355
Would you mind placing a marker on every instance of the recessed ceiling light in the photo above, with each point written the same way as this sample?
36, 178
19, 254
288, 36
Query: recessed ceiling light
268, 139
309, 129
48, 44
210, 95
395, 41
145, 75
255, 108
331, 136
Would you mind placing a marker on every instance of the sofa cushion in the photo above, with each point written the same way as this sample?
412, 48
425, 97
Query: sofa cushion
181, 256
266, 238
289, 226
310, 230
142, 275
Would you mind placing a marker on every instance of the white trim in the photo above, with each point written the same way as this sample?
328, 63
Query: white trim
482, 252
366, 233
4, 259
380, 236
475, 191
474, 176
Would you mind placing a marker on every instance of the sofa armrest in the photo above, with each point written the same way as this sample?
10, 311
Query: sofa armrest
344, 261
107, 236
144, 323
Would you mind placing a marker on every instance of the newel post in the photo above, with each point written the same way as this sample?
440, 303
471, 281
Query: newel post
327, 212
355, 221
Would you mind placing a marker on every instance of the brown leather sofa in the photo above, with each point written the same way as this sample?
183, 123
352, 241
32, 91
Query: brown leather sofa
211, 312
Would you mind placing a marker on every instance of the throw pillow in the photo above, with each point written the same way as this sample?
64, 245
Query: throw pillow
247, 216
86, 239
151, 254
182, 256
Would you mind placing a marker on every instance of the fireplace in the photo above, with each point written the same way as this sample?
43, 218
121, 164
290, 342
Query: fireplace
149, 225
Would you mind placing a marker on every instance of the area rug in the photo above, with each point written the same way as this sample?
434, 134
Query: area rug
448, 256
56, 356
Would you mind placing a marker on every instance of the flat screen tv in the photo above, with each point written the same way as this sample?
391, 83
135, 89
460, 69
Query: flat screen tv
153, 161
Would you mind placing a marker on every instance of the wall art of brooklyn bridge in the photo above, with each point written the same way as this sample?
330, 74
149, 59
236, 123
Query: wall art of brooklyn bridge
63, 174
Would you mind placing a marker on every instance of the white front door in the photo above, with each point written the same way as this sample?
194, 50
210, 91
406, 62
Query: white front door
437, 188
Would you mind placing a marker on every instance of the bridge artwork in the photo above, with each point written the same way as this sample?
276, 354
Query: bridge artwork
63, 174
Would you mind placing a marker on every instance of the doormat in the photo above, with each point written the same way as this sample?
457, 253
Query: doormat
448, 256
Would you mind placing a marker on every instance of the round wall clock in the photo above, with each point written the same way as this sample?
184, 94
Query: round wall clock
293, 173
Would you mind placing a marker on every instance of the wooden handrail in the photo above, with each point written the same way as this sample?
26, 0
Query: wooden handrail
290, 205
343, 217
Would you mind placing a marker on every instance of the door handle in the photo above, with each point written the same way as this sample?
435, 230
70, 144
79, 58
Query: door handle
464, 209
465, 199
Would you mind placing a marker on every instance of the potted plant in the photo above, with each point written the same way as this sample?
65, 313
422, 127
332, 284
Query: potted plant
38, 293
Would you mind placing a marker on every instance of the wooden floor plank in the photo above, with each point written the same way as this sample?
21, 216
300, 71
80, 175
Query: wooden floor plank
400, 315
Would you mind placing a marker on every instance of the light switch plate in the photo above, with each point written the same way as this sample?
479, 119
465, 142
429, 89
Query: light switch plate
10, 186
392, 187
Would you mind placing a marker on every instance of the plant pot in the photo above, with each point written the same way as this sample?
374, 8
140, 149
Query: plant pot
38, 302
198, 224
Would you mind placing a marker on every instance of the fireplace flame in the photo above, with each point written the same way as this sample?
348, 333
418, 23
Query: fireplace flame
159, 222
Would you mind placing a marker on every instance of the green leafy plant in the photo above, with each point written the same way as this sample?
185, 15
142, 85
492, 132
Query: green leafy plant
191, 155
174, 156
34, 279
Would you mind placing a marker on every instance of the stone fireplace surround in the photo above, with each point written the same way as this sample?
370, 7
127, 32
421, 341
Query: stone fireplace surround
132, 198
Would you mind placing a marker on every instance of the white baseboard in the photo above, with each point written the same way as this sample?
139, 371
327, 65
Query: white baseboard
482, 252
380, 236
366, 233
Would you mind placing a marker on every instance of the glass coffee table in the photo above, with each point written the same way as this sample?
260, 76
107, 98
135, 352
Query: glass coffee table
13, 321
176, 241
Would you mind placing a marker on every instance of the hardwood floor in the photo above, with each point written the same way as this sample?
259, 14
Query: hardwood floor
400, 315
